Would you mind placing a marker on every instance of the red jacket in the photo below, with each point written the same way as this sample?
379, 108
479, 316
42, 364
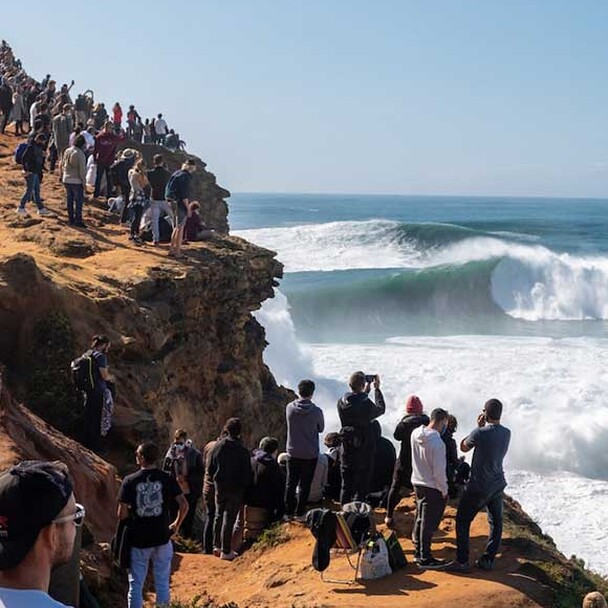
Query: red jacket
105, 148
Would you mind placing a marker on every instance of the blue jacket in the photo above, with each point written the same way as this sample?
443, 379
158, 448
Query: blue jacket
178, 187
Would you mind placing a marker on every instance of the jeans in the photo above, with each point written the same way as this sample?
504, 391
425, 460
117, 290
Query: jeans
155, 209
209, 521
430, 505
101, 171
93, 407
161, 568
300, 471
227, 506
32, 191
470, 504
75, 194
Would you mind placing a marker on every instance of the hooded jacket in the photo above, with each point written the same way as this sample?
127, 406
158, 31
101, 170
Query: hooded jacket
304, 423
357, 411
428, 459
268, 486
230, 466
403, 433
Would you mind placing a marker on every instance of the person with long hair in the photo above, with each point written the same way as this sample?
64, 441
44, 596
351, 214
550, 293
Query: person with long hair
138, 181
117, 115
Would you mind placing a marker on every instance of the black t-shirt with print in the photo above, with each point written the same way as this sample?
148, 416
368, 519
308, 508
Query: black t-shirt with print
149, 494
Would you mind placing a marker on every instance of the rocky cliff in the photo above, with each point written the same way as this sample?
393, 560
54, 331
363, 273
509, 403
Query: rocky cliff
186, 349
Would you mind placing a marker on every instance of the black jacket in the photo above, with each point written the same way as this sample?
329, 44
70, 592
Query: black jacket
33, 159
357, 411
268, 485
384, 463
6, 96
230, 466
158, 178
403, 433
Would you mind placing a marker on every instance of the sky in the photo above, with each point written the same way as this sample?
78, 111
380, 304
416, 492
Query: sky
473, 97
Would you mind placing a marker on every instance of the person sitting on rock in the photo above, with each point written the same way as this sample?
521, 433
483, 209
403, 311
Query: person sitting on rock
333, 443
457, 469
264, 497
38, 507
384, 464
402, 473
485, 488
195, 229
230, 470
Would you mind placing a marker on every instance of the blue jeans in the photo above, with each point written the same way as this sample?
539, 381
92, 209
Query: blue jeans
32, 191
470, 504
75, 194
161, 568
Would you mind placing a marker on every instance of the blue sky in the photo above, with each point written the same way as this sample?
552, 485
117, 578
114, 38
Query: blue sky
504, 97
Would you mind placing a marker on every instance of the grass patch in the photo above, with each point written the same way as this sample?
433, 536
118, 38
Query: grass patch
274, 536
186, 545
199, 601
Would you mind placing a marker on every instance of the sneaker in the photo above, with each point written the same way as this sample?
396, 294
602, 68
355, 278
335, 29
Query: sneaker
417, 558
217, 552
432, 563
484, 563
457, 567
21, 211
44, 211
228, 556
388, 522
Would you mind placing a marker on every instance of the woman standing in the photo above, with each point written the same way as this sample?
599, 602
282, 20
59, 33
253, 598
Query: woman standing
117, 115
20, 113
138, 182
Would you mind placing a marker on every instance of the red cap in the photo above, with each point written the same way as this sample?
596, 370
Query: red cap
413, 405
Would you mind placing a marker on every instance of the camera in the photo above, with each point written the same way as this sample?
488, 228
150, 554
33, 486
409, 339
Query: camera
369, 378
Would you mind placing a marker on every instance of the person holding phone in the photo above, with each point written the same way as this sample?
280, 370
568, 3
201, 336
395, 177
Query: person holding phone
357, 412
485, 488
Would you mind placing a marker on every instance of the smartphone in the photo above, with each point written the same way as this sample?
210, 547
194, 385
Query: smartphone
369, 378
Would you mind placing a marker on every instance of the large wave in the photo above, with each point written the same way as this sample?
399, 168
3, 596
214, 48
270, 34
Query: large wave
435, 269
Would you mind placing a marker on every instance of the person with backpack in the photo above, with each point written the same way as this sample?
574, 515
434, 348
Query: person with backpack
402, 473
74, 164
32, 160
91, 376
104, 154
430, 483
305, 421
357, 411
178, 192
145, 502
230, 470
185, 463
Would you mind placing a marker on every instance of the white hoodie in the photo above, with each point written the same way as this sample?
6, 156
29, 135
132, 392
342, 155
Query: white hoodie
428, 459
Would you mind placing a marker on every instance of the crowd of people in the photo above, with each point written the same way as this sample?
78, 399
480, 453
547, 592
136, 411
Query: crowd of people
80, 140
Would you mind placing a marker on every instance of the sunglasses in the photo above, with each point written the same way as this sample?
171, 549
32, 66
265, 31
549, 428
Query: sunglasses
77, 517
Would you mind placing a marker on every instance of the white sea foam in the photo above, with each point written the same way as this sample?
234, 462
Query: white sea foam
553, 391
531, 282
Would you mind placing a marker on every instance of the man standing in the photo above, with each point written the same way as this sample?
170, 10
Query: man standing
94, 398
74, 169
178, 194
6, 104
145, 499
486, 485
104, 153
304, 423
38, 521
158, 178
430, 483
185, 464
62, 127
33, 167
161, 130
357, 411
230, 470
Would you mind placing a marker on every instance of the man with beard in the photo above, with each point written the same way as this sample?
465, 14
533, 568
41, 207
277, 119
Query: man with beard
38, 520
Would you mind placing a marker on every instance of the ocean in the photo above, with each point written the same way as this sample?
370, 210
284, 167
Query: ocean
456, 299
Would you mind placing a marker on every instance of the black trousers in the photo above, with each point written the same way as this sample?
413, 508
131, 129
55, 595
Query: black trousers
6, 112
209, 498
300, 472
356, 477
227, 506
101, 171
401, 479
93, 406
125, 191
430, 505
138, 211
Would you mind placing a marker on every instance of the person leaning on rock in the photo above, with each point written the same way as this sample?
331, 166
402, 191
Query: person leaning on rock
38, 520
485, 488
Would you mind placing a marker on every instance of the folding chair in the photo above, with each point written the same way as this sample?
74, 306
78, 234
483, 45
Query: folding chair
346, 545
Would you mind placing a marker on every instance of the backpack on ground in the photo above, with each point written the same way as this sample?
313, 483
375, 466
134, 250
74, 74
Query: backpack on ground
83, 374
375, 559
396, 556
20, 151
359, 518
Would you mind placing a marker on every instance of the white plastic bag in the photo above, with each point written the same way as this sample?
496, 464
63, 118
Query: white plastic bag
375, 560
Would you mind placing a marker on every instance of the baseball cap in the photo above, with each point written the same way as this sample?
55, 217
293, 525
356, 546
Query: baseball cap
32, 494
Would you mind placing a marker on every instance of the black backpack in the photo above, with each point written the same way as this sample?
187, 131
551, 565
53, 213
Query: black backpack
83, 374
